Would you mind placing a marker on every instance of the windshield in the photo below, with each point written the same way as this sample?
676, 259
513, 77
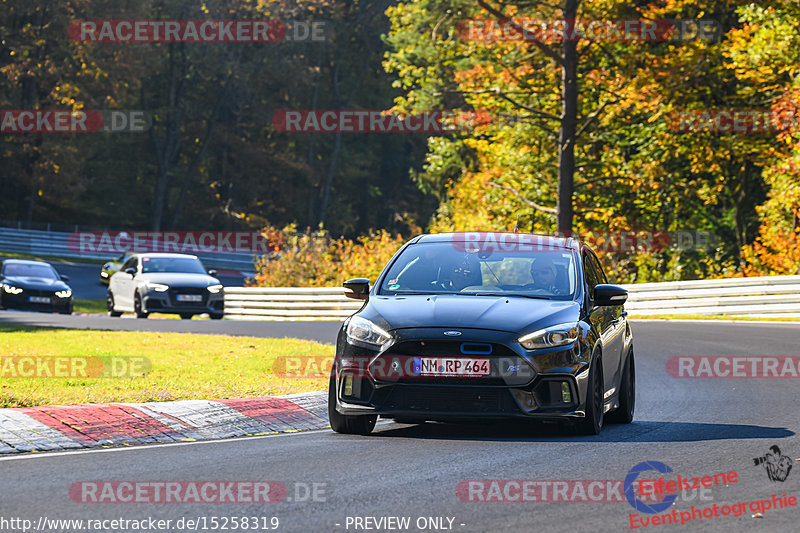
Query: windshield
30, 271
443, 268
186, 265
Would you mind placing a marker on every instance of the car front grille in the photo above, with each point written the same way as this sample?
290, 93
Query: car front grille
175, 291
37, 292
451, 399
500, 359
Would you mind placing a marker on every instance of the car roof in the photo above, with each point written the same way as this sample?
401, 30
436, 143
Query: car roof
24, 262
549, 241
164, 254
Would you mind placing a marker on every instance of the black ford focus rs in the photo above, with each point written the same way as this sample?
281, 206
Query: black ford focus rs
465, 326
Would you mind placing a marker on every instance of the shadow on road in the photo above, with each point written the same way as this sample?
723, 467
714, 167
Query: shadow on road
646, 431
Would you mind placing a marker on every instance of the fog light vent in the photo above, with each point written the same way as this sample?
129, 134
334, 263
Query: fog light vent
566, 397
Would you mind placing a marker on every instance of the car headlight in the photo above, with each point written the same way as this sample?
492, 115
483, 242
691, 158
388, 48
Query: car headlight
10, 289
64, 294
214, 289
158, 287
362, 331
559, 335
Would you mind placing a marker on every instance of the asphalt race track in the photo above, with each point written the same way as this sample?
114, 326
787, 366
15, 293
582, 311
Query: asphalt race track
318, 331
698, 427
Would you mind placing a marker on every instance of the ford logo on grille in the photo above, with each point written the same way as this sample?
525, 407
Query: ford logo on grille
452, 333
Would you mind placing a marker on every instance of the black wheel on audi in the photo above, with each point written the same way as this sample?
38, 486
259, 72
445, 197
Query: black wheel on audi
110, 305
138, 308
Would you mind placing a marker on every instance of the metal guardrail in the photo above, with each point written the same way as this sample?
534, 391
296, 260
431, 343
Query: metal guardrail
772, 296
54, 243
288, 303
765, 296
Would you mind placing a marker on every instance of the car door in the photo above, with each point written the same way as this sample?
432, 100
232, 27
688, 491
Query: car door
613, 332
123, 285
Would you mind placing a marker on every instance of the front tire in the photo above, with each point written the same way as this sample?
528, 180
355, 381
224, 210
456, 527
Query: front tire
138, 307
627, 394
215, 316
592, 423
347, 424
110, 306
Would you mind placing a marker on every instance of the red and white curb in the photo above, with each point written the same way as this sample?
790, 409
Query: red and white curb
59, 427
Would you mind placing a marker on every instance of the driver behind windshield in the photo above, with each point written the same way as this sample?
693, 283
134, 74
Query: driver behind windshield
543, 272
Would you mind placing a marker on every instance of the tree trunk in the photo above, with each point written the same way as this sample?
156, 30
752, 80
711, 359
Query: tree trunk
167, 150
326, 195
569, 120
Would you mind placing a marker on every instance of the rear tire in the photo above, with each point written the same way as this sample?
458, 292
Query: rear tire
138, 308
186, 316
347, 424
627, 394
110, 306
215, 316
592, 423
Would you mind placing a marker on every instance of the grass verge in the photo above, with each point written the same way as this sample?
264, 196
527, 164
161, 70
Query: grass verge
183, 366
93, 306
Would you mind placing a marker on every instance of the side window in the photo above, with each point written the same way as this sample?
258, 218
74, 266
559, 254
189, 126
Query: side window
590, 274
130, 263
599, 274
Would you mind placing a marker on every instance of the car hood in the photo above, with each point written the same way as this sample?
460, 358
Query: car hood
501, 313
179, 279
24, 282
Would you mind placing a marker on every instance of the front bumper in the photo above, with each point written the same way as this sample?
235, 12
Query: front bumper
170, 301
545, 384
22, 301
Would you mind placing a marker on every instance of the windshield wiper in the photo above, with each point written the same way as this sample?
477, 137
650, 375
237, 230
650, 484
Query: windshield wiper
531, 296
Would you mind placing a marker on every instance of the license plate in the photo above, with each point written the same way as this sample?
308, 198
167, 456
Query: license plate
39, 299
452, 366
190, 298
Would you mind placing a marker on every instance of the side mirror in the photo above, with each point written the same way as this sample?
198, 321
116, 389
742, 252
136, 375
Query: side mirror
357, 288
64, 277
131, 271
609, 295
212, 273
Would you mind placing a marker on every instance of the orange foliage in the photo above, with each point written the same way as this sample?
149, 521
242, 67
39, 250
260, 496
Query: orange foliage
317, 260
